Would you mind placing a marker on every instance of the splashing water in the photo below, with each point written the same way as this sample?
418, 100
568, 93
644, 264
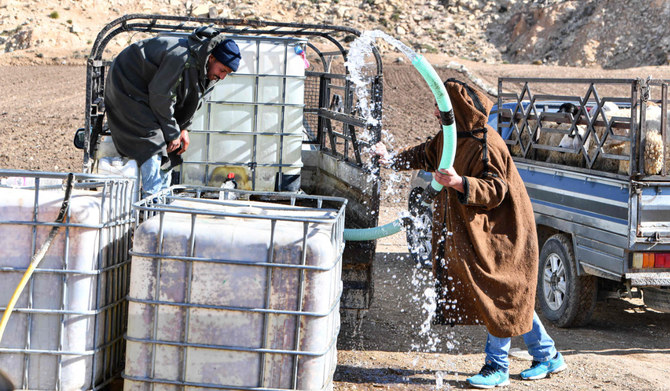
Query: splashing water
423, 295
439, 380
359, 76
358, 51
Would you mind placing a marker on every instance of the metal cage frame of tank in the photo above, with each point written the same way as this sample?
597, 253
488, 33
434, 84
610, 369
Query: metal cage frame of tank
336, 164
203, 207
112, 264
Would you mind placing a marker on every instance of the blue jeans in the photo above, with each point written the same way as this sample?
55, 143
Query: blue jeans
153, 178
539, 344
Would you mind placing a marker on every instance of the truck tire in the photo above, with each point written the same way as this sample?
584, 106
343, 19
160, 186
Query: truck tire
657, 298
419, 230
565, 299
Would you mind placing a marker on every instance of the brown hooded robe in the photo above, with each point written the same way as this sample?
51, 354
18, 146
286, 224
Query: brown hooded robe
485, 250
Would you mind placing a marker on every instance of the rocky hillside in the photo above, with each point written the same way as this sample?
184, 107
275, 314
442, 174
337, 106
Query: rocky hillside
610, 34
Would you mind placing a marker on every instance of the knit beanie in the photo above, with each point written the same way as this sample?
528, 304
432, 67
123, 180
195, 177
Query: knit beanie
227, 53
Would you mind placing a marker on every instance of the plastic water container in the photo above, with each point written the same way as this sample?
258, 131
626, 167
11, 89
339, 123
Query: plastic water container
66, 329
242, 89
251, 123
106, 147
123, 167
235, 295
108, 161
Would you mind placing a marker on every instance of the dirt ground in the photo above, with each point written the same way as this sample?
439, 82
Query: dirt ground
625, 347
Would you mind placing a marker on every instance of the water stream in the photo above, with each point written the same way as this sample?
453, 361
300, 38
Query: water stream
422, 295
359, 50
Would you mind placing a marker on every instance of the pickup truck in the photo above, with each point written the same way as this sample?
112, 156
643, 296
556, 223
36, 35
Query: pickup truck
603, 223
276, 98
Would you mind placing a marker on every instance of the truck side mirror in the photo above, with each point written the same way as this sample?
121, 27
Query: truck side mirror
80, 138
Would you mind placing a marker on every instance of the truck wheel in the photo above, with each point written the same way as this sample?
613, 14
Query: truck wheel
657, 298
419, 231
565, 298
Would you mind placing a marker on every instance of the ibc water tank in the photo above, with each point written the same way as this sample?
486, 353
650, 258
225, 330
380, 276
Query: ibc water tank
235, 295
251, 123
66, 330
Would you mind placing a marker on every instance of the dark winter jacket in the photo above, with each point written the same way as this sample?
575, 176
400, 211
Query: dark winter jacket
485, 251
153, 89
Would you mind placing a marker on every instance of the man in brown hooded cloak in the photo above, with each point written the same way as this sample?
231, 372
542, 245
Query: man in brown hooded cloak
485, 248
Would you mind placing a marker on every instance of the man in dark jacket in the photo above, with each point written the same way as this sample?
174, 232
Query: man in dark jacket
485, 253
153, 88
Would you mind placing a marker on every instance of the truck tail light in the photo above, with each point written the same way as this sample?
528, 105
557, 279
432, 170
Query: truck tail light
651, 260
662, 260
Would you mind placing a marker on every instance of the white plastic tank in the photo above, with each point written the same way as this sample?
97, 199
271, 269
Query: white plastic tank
251, 123
241, 297
123, 167
66, 329
105, 147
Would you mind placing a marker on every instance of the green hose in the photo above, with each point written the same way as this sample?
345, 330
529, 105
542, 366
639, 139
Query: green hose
444, 104
363, 234
448, 148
